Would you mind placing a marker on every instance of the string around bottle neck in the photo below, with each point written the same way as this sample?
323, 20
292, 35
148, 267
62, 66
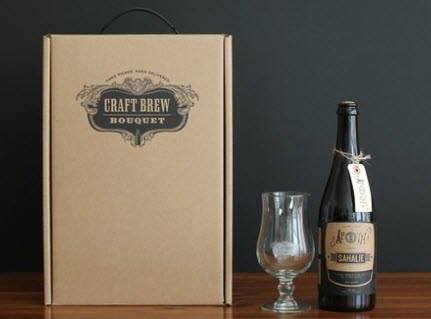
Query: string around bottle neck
354, 159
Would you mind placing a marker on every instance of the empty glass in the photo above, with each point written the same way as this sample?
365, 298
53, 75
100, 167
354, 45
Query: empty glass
285, 246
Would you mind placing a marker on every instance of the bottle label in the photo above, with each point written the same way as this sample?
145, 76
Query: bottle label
349, 253
361, 188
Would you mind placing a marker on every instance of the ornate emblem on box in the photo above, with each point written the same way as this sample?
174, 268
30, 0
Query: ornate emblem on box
137, 108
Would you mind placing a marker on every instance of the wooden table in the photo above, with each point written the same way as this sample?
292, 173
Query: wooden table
400, 295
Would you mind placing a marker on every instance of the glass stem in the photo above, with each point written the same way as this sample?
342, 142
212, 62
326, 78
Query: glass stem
285, 291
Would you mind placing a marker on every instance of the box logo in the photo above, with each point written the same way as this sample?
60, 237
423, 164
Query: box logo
137, 108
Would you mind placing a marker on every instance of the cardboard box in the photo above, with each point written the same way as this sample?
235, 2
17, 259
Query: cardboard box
137, 137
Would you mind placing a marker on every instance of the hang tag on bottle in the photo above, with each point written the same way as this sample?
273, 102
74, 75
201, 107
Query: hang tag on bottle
361, 188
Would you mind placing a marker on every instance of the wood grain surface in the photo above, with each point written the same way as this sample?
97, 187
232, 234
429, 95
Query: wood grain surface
399, 295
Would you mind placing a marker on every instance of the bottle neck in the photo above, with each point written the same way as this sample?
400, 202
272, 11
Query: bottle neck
347, 134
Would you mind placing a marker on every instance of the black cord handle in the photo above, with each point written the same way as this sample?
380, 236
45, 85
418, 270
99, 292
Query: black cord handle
147, 10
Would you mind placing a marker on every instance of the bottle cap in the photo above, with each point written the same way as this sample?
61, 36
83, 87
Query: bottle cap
348, 104
348, 108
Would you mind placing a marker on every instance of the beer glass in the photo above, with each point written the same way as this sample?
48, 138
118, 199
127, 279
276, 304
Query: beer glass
285, 246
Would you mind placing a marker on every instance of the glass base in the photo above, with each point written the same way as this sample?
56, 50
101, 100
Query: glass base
297, 308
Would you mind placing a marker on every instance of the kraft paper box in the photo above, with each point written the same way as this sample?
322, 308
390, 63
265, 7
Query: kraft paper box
137, 169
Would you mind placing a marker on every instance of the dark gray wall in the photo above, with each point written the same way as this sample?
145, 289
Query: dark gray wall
294, 60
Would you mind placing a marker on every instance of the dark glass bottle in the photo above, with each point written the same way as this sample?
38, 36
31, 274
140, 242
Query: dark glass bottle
346, 233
